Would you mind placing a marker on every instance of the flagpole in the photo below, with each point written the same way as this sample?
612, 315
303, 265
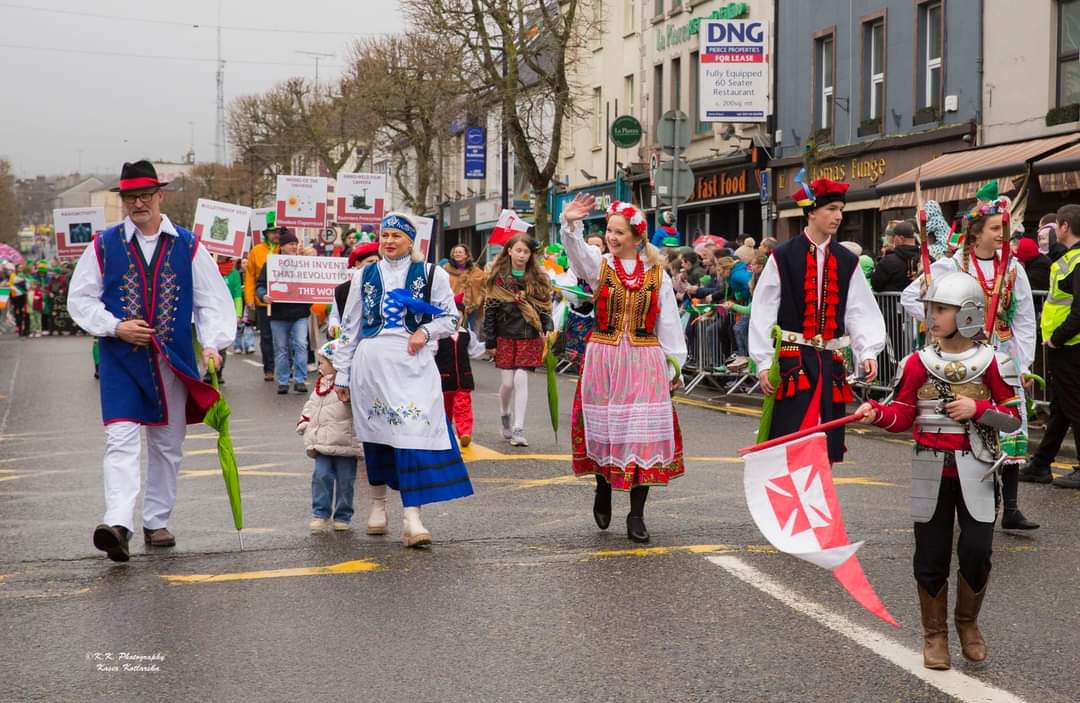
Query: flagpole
799, 434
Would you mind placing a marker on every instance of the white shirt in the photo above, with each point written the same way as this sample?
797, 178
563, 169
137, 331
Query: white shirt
393, 273
213, 307
585, 262
862, 317
1023, 323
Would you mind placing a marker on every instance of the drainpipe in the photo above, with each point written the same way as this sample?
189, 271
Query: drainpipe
980, 116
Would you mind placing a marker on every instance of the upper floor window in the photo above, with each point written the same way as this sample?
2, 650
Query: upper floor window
931, 54
1068, 52
874, 69
823, 82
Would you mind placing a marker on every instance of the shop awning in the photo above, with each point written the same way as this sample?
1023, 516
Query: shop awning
959, 174
1060, 171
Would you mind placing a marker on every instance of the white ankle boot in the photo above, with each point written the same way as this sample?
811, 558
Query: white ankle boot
413, 532
376, 522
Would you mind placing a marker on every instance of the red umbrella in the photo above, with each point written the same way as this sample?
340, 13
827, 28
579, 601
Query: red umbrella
710, 239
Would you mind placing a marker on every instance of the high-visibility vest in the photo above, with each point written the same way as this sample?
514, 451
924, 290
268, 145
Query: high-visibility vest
1058, 301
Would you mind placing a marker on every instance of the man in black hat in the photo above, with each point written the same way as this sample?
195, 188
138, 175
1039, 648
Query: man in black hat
138, 287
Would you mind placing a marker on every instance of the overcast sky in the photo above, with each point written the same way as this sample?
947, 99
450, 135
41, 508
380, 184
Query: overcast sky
60, 107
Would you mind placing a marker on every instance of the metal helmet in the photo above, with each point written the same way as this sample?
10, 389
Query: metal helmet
961, 291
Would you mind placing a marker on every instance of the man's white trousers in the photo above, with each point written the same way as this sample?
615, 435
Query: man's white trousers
164, 446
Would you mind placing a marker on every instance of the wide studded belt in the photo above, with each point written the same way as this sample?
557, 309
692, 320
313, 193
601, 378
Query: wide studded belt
816, 342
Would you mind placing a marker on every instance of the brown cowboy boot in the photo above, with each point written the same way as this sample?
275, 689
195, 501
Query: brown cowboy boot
968, 604
935, 617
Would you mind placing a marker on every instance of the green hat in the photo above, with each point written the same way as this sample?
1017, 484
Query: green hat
671, 242
555, 248
271, 219
42, 266
988, 192
562, 261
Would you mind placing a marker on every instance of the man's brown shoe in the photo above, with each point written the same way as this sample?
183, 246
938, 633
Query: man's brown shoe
268, 376
160, 537
113, 540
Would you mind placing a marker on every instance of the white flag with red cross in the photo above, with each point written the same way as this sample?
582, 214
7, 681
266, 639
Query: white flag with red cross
507, 226
791, 496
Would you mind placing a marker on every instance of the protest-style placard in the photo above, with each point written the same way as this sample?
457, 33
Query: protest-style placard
361, 198
425, 226
259, 224
222, 227
75, 228
305, 279
301, 201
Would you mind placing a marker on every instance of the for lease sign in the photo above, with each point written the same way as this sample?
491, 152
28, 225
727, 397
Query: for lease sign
734, 71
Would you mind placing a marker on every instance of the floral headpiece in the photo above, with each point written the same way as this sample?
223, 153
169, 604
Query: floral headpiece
990, 203
632, 215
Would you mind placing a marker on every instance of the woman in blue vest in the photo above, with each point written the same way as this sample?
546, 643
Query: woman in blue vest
386, 368
138, 288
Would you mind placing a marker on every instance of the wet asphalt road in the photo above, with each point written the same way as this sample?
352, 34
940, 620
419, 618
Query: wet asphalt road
521, 598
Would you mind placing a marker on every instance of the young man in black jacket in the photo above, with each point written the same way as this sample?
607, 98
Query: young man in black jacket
897, 268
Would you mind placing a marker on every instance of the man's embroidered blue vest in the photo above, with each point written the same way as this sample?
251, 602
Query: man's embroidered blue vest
159, 291
375, 315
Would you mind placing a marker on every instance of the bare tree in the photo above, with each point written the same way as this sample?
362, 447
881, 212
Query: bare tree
9, 206
517, 53
409, 84
229, 184
296, 120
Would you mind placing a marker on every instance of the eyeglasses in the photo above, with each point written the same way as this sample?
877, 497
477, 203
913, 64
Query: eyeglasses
145, 197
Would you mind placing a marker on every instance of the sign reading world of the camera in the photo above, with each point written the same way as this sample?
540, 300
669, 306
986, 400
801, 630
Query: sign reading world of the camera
361, 198
734, 72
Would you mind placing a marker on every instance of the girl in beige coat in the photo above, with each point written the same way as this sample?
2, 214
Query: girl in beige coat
327, 426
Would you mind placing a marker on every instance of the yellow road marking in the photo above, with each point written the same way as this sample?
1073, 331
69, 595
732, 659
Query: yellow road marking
252, 470
345, 567
689, 548
478, 452
724, 408
859, 481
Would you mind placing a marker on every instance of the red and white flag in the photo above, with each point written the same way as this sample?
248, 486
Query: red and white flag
508, 225
791, 496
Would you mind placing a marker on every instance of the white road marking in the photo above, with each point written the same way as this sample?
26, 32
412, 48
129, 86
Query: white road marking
960, 686
10, 395
253, 362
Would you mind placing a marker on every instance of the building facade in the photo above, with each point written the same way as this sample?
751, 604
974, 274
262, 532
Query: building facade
869, 90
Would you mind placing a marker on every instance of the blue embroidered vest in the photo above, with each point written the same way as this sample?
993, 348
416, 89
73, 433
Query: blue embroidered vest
159, 291
377, 314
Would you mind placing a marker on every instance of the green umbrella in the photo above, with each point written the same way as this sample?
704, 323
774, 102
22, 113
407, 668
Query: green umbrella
767, 405
550, 362
217, 417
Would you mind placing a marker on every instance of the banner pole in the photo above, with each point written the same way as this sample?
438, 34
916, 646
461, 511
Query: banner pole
799, 434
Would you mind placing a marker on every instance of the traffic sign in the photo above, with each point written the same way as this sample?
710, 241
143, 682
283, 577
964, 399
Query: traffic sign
674, 182
764, 186
626, 131
673, 131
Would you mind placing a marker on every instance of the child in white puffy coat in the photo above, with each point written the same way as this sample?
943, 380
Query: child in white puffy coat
327, 426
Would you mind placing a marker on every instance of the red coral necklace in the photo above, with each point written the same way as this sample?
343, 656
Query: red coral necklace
630, 281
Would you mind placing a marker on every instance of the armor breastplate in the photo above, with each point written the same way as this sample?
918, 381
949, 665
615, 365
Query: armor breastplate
950, 376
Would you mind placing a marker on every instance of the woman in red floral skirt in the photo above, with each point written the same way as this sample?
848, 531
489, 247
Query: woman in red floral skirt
625, 430
517, 314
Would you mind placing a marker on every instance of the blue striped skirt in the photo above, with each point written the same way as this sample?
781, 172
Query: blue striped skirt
421, 475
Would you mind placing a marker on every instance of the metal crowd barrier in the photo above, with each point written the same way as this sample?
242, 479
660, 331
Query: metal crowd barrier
710, 341
905, 334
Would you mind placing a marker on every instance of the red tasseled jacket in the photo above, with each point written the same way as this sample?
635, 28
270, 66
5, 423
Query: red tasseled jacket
899, 415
